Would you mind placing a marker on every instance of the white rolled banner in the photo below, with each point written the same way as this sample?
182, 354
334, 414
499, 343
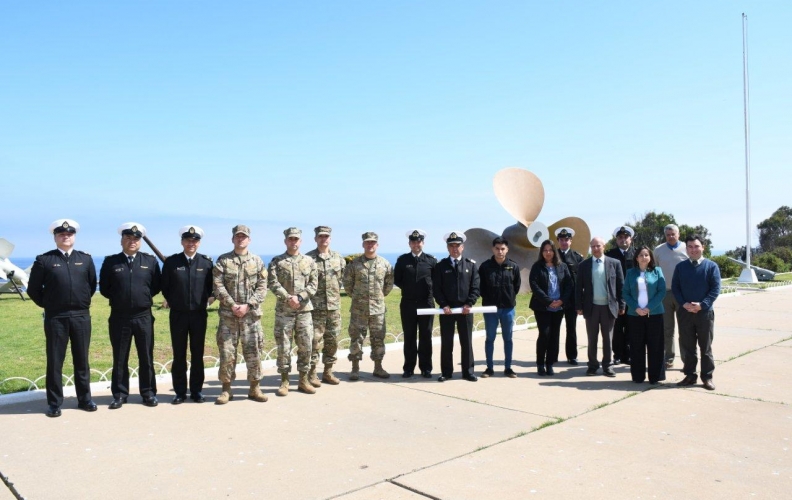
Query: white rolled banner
457, 310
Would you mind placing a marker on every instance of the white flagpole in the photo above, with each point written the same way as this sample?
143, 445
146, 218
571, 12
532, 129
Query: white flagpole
747, 275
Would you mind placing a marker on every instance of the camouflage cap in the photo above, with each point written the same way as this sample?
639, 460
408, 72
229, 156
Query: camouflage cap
240, 228
292, 232
320, 230
370, 236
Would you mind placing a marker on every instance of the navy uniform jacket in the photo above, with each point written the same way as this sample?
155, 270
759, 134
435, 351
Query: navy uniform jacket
414, 277
187, 287
62, 287
130, 290
456, 288
500, 283
625, 259
572, 259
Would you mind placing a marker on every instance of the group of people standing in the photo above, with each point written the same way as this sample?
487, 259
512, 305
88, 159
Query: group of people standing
630, 298
307, 311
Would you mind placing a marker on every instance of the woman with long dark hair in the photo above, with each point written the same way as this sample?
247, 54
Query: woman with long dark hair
644, 289
551, 286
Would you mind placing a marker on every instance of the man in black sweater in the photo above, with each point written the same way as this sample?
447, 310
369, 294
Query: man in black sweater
500, 283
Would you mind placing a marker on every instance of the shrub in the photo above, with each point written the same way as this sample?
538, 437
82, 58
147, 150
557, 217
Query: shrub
771, 262
783, 253
728, 268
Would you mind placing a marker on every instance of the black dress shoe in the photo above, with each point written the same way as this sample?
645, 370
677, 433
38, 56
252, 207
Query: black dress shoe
572, 362
550, 370
177, 400
53, 411
118, 403
470, 377
87, 405
616, 361
150, 402
442, 378
426, 374
591, 372
407, 374
198, 398
688, 380
541, 371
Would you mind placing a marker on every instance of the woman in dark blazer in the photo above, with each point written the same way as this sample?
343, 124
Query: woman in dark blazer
552, 287
643, 292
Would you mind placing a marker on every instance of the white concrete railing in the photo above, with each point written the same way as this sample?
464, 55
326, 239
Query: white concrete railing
268, 360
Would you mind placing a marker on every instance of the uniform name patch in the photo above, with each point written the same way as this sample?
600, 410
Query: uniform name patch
78, 263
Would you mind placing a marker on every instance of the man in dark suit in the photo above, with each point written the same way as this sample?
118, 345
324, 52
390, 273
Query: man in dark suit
187, 288
413, 275
456, 285
598, 297
624, 253
572, 259
63, 281
130, 280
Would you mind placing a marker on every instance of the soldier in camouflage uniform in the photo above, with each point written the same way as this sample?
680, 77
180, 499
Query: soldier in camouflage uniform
240, 285
326, 312
292, 278
367, 280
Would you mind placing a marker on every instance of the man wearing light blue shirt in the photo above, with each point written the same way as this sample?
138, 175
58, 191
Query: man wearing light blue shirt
598, 297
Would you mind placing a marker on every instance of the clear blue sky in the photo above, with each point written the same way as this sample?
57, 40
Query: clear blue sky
384, 116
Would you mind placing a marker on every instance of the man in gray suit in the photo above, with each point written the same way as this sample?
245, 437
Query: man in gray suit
598, 296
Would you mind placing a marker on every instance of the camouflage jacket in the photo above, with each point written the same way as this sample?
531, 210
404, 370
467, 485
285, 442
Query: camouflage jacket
331, 271
292, 275
367, 282
240, 279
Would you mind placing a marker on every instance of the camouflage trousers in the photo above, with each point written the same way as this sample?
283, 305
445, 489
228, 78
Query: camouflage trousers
299, 326
359, 326
230, 332
327, 327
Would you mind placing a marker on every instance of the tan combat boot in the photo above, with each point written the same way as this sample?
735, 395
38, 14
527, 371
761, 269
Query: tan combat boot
225, 396
313, 379
305, 386
283, 390
379, 371
255, 392
355, 370
328, 376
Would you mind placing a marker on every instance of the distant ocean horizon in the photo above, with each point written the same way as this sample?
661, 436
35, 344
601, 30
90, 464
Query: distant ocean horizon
25, 262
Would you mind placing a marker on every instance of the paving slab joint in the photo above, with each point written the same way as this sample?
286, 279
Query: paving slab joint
413, 490
11, 487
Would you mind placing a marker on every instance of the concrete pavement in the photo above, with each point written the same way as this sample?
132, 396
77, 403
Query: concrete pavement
554, 437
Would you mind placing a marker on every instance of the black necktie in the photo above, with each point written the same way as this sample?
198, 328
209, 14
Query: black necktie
189, 261
66, 254
598, 261
455, 265
130, 259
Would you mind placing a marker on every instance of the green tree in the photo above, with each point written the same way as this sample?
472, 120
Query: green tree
728, 268
771, 262
649, 229
776, 231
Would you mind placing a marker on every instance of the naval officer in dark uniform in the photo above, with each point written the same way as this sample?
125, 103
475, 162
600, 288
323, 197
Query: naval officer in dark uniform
456, 284
572, 259
130, 280
63, 281
413, 275
187, 288
625, 254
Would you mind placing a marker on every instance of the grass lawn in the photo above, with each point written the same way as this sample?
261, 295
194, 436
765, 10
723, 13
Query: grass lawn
22, 341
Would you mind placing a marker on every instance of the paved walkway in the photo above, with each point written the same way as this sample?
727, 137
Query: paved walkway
561, 437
